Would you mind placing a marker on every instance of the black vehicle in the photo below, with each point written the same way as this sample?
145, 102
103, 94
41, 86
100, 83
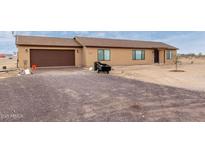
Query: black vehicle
100, 67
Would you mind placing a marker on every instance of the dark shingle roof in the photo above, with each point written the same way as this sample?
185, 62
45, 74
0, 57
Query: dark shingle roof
102, 42
89, 42
46, 41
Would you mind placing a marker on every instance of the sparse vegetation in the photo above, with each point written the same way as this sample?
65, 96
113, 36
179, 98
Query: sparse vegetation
177, 62
191, 55
192, 58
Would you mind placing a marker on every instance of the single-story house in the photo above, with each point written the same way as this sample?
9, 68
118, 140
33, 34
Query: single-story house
84, 51
2, 55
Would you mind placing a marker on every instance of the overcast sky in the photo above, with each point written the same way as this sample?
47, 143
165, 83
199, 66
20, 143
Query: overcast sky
187, 42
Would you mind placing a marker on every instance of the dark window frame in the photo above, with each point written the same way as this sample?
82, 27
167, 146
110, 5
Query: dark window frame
170, 57
104, 55
134, 54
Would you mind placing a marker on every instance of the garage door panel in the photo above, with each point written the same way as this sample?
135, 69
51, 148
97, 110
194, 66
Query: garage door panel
45, 58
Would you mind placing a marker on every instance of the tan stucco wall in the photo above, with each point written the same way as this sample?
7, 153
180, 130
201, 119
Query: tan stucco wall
121, 56
86, 56
118, 56
161, 56
24, 54
83, 58
163, 59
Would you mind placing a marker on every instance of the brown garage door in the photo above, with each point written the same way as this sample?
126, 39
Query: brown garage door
45, 58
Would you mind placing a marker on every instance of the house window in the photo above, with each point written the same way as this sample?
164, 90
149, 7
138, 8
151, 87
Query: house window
138, 55
103, 54
169, 55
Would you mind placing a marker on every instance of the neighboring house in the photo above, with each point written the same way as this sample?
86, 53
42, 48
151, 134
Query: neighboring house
84, 51
2, 55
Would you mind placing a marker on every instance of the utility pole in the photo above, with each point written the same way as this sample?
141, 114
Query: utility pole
13, 33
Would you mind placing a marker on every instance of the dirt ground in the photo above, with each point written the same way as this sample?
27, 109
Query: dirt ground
193, 78
129, 93
81, 95
10, 64
192, 60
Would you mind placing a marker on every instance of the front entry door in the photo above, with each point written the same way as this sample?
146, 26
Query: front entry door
156, 56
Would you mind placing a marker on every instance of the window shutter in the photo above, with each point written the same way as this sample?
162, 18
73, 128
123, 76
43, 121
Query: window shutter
143, 55
100, 55
133, 55
167, 55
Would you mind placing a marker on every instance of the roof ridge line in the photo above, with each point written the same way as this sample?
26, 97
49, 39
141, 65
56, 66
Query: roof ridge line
116, 39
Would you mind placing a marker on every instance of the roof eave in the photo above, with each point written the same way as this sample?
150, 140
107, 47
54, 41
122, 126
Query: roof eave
70, 46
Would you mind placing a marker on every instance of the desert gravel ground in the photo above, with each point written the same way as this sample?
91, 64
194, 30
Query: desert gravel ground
80, 95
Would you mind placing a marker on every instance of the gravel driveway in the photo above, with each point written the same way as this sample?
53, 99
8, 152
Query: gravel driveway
79, 95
